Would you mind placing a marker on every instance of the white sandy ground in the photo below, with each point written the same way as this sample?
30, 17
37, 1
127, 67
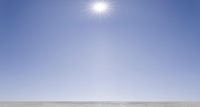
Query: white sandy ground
100, 104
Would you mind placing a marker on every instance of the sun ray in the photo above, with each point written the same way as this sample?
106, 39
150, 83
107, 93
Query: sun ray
100, 7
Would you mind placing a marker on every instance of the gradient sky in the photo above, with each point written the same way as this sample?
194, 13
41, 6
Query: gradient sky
143, 50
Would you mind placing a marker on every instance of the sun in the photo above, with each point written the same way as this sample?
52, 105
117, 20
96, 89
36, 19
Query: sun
100, 7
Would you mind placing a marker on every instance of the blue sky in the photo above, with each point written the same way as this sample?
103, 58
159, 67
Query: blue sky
143, 50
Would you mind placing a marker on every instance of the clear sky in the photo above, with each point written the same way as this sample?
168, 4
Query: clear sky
142, 50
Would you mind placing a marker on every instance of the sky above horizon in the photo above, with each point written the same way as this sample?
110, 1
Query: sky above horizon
57, 50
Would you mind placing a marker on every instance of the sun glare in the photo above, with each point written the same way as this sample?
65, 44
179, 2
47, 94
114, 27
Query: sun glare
100, 7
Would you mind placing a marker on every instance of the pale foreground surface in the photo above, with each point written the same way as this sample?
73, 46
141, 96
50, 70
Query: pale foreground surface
99, 104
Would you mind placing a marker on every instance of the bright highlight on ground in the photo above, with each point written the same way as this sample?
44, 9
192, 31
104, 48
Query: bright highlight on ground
100, 7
